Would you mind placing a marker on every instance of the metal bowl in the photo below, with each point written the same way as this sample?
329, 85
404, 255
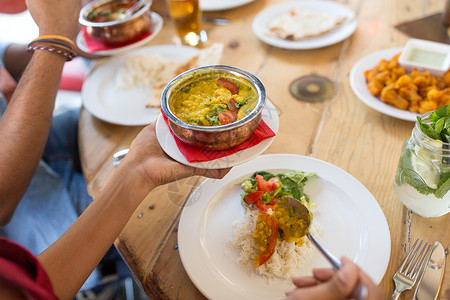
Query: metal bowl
119, 31
214, 137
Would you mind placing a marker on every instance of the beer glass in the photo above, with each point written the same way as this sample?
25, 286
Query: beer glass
187, 17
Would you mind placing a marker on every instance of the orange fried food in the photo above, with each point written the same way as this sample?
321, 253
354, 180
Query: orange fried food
416, 91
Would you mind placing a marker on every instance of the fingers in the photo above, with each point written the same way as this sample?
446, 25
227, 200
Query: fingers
326, 284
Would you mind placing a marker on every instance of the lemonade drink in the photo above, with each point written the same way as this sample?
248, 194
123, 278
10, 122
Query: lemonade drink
422, 180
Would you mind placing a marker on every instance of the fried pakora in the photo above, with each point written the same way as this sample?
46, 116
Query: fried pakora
416, 91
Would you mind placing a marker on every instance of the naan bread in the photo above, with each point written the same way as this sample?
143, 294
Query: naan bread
301, 23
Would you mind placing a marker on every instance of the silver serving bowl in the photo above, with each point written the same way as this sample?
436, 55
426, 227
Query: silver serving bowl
214, 137
120, 30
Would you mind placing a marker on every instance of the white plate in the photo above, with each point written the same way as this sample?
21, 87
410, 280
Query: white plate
352, 222
359, 86
167, 142
216, 5
261, 21
157, 23
105, 100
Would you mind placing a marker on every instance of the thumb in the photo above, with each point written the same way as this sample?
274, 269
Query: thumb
339, 286
344, 281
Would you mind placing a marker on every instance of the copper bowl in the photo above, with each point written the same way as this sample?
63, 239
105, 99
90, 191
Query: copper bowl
214, 137
119, 31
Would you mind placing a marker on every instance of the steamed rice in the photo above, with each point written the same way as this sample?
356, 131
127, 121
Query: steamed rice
286, 259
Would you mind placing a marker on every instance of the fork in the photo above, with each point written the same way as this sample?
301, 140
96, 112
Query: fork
411, 267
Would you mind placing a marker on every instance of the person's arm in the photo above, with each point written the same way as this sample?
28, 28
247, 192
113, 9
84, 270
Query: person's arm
327, 284
70, 260
25, 124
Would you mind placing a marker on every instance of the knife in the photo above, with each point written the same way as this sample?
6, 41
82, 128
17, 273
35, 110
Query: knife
430, 281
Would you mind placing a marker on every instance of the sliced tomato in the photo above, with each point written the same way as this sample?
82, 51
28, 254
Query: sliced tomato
253, 197
267, 186
230, 115
262, 257
227, 117
228, 85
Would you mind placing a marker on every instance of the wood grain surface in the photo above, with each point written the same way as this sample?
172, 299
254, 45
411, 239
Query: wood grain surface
342, 131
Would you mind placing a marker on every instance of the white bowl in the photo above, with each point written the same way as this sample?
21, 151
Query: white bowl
425, 55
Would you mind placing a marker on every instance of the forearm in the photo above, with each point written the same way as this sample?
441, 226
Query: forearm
24, 127
16, 59
70, 260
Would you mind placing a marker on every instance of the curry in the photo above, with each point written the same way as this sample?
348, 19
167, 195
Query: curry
110, 11
214, 101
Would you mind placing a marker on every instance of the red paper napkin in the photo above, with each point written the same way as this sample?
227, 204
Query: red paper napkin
194, 154
93, 45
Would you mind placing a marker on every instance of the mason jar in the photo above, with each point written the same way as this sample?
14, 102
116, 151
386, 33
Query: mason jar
422, 180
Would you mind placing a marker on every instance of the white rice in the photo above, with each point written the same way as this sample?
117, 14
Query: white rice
286, 259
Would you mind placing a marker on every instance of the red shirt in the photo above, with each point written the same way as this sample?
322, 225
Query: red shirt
22, 271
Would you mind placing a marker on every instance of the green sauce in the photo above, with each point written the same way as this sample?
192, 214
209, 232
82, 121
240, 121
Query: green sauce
427, 57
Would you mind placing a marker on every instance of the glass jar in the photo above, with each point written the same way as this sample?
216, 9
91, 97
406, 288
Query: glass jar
422, 180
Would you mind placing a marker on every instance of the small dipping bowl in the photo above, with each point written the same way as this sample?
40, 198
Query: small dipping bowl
213, 137
119, 31
425, 56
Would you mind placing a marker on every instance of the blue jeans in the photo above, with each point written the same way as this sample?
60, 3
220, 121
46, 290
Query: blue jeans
57, 194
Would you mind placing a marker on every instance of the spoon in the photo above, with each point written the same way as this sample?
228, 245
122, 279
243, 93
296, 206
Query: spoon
303, 212
130, 11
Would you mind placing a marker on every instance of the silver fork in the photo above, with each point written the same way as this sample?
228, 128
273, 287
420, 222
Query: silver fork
411, 267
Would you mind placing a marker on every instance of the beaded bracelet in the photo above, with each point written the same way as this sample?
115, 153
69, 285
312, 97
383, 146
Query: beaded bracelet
58, 46
68, 56
58, 38
48, 41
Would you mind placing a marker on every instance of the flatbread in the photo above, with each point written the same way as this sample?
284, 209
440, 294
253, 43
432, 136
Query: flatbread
299, 23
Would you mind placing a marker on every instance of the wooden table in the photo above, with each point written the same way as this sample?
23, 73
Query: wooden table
342, 131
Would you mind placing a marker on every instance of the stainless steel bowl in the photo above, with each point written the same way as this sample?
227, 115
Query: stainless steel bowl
119, 31
214, 137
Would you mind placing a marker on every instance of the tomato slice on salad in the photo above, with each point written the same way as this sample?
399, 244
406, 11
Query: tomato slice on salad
267, 186
265, 237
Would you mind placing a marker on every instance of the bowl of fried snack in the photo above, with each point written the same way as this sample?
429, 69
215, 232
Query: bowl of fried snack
415, 91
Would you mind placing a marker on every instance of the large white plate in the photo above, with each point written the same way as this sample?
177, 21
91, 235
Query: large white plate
352, 222
261, 21
104, 99
167, 142
215, 5
155, 27
359, 85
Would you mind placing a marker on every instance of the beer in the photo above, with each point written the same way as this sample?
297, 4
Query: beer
187, 17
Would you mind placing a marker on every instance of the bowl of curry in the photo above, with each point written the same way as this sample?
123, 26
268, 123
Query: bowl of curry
116, 22
215, 107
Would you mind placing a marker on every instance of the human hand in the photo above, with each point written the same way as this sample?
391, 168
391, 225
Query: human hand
334, 285
156, 168
58, 17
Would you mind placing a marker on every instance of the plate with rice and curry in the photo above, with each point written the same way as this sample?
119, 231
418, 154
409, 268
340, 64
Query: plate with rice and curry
249, 247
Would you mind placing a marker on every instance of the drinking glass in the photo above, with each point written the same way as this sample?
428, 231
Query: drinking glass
187, 17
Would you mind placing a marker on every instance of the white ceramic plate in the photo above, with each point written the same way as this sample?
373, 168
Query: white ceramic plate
216, 5
104, 99
358, 84
157, 23
167, 142
352, 222
261, 21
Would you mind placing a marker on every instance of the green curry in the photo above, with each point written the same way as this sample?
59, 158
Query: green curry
214, 101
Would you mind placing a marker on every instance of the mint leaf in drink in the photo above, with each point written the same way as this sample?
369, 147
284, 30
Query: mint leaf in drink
439, 128
443, 185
